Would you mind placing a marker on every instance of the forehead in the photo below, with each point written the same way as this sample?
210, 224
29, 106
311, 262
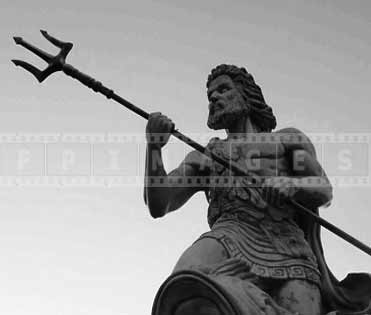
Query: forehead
222, 79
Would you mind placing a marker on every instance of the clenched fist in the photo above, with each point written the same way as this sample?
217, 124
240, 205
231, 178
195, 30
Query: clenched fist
158, 129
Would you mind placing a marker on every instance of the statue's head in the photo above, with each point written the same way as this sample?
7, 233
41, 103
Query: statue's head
233, 93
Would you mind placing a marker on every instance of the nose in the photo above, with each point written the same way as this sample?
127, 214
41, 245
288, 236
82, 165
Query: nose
214, 96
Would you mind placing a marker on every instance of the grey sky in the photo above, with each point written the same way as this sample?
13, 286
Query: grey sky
88, 250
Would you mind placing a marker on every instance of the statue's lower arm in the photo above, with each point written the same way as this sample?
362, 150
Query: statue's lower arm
155, 195
156, 186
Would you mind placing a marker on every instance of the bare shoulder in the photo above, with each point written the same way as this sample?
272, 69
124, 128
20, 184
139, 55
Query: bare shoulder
193, 158
294, 139
196, 163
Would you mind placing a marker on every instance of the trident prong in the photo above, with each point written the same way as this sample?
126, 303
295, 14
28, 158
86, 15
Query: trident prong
55, 63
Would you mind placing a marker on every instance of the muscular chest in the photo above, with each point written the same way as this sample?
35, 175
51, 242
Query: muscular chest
263, 158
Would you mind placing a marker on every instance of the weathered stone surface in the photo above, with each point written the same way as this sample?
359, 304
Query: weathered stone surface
260, 256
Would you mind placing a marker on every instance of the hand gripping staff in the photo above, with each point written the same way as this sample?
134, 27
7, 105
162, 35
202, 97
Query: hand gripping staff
58, 63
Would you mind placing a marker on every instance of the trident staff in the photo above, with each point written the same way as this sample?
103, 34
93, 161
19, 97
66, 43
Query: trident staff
58, 63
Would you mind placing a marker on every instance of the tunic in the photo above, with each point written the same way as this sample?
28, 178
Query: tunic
267, 238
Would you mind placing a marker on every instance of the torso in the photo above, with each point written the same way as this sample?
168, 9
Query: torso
260, 156
232, 200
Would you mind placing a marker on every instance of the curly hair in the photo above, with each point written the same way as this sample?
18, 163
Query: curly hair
261, 113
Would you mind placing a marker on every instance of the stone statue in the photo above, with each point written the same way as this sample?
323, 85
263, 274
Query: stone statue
260, 256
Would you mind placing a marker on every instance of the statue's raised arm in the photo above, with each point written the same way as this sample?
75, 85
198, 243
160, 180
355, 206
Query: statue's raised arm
164, 192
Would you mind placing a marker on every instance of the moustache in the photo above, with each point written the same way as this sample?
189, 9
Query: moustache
213, 107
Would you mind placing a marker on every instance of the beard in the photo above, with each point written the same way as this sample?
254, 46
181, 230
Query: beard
225, 118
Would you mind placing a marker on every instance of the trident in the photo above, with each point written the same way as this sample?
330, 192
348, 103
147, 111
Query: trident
58, 63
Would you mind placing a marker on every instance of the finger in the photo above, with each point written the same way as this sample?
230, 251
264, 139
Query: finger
275, 195
170, 126
167, 124
163, 122
291, 192
264, 191
269, 195
154, 115
165, 118
280, 199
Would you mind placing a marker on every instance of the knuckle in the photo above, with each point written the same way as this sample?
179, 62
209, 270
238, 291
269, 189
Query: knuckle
153, 115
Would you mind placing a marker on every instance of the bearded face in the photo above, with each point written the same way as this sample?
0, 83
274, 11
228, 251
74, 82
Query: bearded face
226, 103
